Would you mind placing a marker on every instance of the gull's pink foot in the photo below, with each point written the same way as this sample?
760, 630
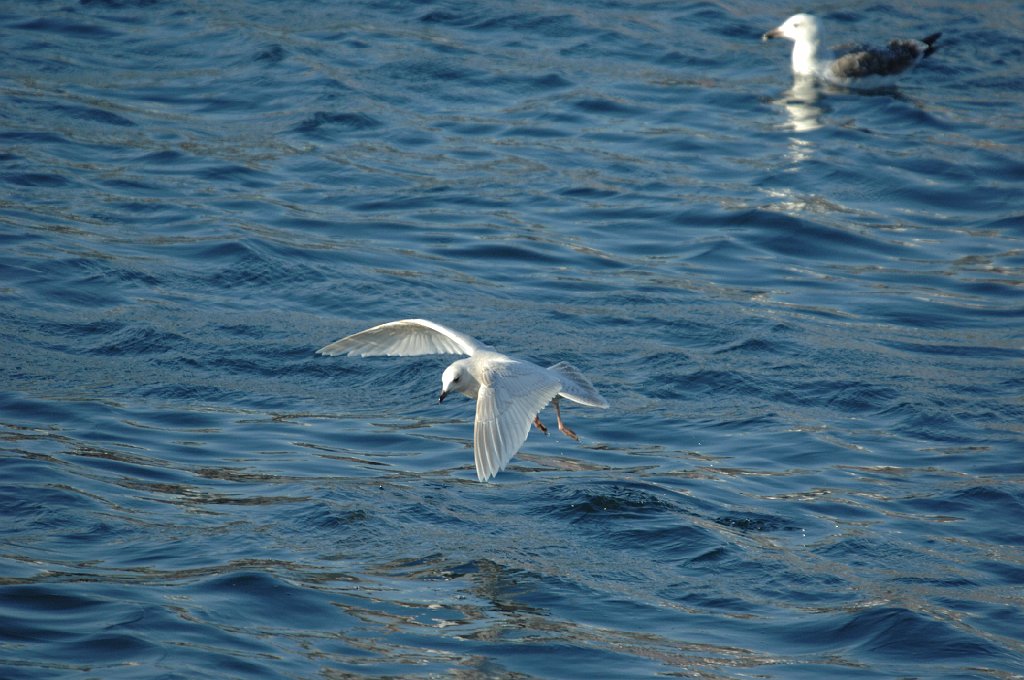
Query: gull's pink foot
539, 425
562, 426
568, 433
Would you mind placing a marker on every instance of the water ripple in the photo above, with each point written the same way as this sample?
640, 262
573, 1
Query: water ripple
803, 306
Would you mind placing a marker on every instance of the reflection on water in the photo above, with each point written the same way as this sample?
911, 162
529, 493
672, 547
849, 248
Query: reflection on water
804, 115
801, 105
806, 316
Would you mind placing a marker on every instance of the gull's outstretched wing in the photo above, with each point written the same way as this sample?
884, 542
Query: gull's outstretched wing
410, 337
511, 395
576, 387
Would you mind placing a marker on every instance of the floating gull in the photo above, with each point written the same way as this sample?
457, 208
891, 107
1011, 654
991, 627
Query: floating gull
509, 393
855, 66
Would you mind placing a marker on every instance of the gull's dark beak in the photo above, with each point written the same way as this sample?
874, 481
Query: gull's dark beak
444, 393
774, 33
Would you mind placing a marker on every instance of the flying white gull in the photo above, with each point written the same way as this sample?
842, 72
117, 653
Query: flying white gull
858, 66
509, 393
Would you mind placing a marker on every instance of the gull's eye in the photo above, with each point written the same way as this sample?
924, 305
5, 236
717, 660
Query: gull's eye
455, 379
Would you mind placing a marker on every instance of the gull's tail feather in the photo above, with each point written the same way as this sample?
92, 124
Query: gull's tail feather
576, 387
930, 42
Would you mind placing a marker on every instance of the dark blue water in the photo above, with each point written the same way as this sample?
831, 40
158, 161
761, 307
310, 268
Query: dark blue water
805, 307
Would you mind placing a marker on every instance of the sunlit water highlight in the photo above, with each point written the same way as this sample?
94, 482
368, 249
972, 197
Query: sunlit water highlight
804, 306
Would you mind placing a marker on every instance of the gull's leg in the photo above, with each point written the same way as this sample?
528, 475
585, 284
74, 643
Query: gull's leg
539, 425
562, 426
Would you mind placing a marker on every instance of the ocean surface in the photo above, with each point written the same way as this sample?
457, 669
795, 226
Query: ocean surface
804, 305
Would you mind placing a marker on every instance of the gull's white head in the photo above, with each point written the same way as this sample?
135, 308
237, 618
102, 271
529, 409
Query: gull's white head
804, 31
458, 378
798, 28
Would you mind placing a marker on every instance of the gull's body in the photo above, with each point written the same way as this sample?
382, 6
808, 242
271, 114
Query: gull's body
509, 392
856, 66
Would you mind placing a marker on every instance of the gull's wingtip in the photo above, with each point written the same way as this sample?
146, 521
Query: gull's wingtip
331, 350
484, 471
